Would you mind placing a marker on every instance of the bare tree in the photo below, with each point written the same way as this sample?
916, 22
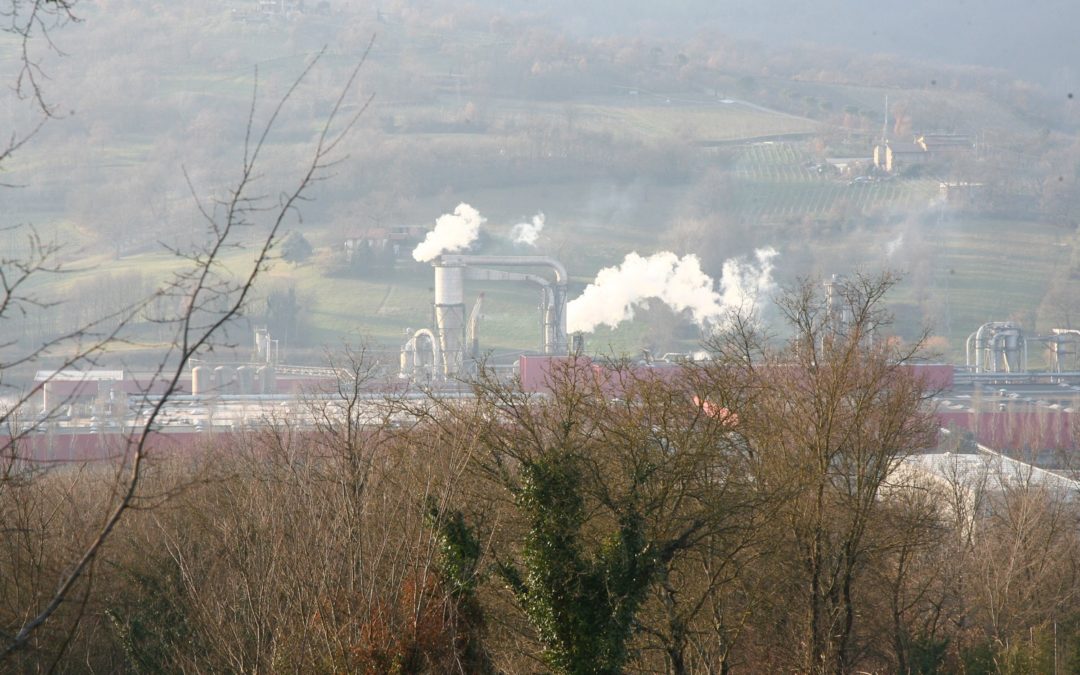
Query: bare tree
1023, 572
209, 296
313, 550
32, 23
839, 410
600, 502
910, 565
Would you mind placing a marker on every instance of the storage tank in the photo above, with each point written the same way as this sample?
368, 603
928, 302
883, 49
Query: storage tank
224, 380
577, 344
245, 379
266, 379
408, 358
200, 380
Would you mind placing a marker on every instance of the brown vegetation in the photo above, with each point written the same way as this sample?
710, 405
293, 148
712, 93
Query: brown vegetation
748, 515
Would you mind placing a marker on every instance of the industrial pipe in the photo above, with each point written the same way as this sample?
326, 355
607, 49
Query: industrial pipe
557, 342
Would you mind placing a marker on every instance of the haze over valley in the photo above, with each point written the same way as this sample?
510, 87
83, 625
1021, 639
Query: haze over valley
425, 336
692, 131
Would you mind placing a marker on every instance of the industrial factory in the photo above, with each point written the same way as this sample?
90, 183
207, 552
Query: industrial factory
995, 397
450, 349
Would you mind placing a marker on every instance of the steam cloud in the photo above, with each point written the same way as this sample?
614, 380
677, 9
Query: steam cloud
894, 245
678, 282
746, 285
528, 233
453, 232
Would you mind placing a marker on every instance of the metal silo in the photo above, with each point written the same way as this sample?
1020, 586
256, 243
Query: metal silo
408, 358
265, 380
200, 380
245, 379
224, 380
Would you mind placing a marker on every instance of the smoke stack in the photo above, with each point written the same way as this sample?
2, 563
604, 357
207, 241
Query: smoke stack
472, 335
554, 303
450, 316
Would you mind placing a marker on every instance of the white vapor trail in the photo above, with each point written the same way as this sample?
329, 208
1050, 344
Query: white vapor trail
453, 232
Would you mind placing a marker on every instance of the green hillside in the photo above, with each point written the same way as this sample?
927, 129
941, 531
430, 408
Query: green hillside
623, 147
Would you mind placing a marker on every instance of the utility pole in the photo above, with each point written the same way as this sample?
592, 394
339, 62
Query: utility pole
885, 123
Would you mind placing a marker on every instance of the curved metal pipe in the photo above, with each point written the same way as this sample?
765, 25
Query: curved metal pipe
435, 351
558, 341
967, 350
994, 339
980, 344
561, 277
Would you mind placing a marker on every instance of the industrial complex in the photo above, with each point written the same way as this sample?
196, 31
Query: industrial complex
993, 401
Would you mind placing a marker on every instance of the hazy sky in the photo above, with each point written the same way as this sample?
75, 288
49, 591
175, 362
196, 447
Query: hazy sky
1036, 38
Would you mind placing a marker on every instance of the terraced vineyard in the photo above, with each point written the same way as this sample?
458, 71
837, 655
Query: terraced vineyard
777, 181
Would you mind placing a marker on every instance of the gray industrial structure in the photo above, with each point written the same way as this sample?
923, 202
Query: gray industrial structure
1001, 347
997, 347
451, 348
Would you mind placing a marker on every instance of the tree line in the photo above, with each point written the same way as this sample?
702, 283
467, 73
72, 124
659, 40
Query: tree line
753, 512
756, 512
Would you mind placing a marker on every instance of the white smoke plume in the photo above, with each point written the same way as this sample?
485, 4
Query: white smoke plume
678, 282
528, 233
892, 246
453, 232
746, 285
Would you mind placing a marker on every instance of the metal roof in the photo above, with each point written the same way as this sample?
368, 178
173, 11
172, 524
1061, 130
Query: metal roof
988, 468
78, 375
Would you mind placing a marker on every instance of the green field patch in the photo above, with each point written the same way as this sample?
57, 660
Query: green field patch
972, 271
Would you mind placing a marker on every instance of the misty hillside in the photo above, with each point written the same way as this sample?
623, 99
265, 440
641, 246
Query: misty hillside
437, 337
717, 131
1032, 40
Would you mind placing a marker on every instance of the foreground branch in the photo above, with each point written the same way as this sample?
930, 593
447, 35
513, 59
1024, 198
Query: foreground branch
204, 286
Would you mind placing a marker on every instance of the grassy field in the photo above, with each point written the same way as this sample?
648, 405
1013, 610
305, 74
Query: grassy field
961, 271
992, 270
958, 272
694, 122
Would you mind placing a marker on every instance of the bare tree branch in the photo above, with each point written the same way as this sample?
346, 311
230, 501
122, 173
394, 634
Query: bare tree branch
32, 22
212, 300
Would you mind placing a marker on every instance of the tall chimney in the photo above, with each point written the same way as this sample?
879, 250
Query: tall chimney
450, 316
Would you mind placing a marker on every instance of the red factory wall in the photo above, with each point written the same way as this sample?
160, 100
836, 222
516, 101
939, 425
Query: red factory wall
87, 446
1028, 430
